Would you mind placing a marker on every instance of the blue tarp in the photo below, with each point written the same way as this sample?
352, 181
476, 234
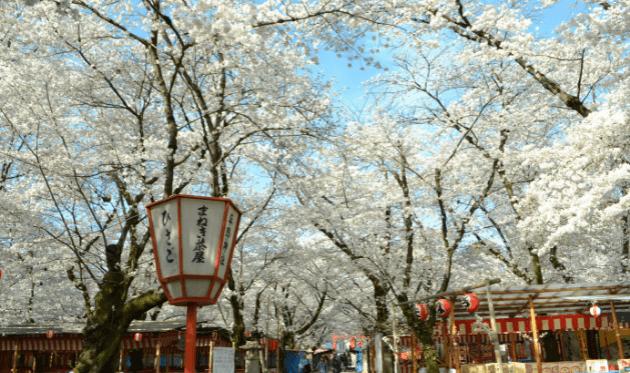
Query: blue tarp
359, 362
292, 362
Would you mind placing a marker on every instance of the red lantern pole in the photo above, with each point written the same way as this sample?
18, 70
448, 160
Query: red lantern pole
191, 338
176, 219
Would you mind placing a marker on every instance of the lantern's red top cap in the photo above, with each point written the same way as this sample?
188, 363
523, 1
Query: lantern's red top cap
195, 197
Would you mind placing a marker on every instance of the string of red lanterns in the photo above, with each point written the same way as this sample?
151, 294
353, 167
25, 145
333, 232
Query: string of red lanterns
444, 308
471, 303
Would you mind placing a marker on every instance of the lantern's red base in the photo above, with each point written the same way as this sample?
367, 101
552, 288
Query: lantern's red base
191, 338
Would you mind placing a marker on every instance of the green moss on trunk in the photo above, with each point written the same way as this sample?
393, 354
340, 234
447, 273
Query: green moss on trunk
109, 322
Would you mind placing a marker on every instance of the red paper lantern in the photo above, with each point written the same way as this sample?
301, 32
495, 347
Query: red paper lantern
50, 333
353, 343
137, 337
471, 302
421, 311
248, 333
443, 307
215, 336
596, 311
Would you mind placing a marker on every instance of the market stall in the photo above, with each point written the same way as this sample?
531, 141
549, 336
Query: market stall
519, 316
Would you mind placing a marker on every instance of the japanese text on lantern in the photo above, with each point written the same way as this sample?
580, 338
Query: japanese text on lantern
227, 238
200, 245
166, 235
166, 217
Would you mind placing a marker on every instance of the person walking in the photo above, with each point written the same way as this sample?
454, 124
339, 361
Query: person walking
307, 368
322, 365
336, 364
344, 362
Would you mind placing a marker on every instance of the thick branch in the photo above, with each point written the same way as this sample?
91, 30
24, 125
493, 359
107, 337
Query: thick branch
465, 30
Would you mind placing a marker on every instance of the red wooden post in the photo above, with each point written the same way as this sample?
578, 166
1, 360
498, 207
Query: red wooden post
191, 338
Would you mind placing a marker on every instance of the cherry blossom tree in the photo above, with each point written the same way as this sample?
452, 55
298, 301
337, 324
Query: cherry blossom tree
539, 113
490, 148
107, 107
562, 80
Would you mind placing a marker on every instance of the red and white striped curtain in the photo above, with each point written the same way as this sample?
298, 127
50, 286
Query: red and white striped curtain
69, 345
523, 325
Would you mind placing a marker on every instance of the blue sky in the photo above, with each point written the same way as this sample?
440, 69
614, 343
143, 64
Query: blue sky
350, 79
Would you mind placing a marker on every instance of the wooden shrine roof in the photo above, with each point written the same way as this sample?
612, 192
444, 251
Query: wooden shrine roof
31, 329
77, 328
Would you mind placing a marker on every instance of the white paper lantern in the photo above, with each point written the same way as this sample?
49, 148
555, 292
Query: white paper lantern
193, 240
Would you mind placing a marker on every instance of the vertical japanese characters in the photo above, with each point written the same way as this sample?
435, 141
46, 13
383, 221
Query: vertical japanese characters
200, 245
166, 235
166, 217
227, 238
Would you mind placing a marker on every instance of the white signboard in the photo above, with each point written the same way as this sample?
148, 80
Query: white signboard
596, 366
223, 360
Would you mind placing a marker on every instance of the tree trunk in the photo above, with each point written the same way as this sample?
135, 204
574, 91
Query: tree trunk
100, 354
423, 332
535, 261
109, 321
282, 353
238, 331
625, 246
382, 309
368, 358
